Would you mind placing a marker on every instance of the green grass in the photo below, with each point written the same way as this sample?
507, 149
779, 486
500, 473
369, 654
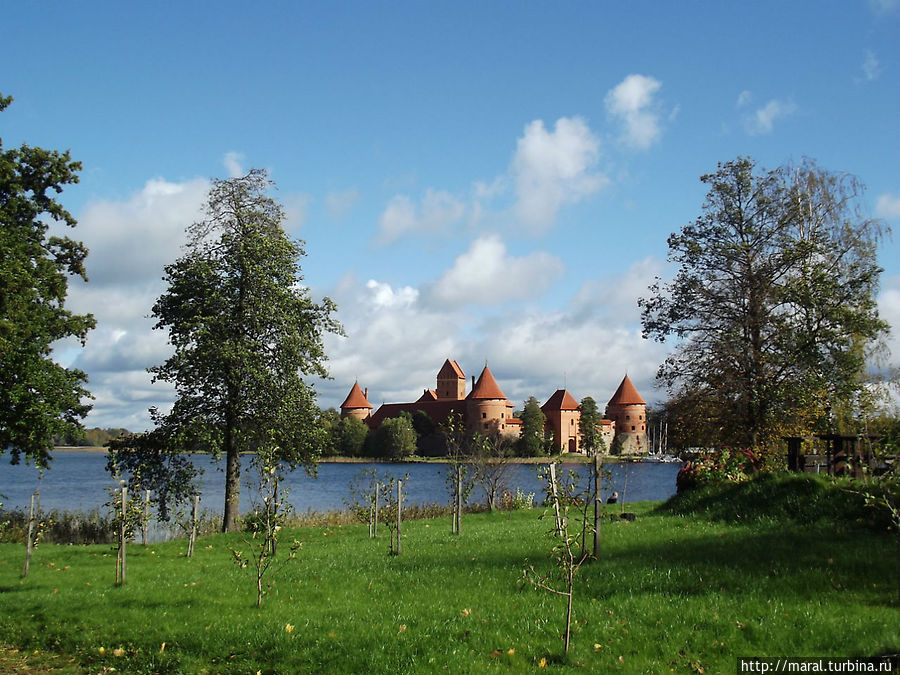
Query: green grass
673, 593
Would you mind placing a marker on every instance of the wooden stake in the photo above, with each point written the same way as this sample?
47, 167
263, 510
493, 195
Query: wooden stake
375, 513
145, 524
29, 539
554, 493
193, 537
399, 509
598, 505
120, 558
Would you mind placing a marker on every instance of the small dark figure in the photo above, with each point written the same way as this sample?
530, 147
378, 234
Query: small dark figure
613, 499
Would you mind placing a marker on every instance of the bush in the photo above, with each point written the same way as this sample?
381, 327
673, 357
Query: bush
719, 466
803, 499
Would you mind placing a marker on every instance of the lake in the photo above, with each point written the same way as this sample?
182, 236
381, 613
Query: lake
78, 481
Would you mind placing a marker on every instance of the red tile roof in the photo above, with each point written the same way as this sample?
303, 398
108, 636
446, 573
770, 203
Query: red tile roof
626, 394
356, 399
428, 395
561, 400
486, 387
450, 369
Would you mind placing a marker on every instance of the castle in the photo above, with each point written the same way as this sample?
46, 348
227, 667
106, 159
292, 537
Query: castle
487, 410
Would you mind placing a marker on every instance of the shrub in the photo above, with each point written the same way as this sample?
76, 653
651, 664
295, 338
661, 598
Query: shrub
719, 466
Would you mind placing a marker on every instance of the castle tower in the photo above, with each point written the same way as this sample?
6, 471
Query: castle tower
487, 408
629, 412
451, 382
356, 404
562, 414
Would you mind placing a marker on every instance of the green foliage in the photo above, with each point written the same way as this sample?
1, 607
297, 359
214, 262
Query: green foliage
39, 399
589, 427
261, 528
245, 335
806, 500
350, 437
531, 439
395, 438
773, 305
718, 466
148, 462
518, 501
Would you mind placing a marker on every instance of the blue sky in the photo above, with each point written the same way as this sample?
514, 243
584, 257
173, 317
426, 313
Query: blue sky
491, 182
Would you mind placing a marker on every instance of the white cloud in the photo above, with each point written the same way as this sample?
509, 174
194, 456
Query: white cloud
554, 168
884, 6
130, 242
233, 164
744, 98
762, 121
398, 337
296, 209
888, 207
487, 275
871, 68
437, 212
889, 310
340, 203
631, 101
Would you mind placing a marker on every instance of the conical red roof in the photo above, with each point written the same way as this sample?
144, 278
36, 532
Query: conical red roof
626, 394
486, 386
356, 398
561, 400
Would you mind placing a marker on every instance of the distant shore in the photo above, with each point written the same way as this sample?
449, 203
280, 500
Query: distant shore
572, 459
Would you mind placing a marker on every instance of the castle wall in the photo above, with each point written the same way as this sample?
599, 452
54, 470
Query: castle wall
631, 428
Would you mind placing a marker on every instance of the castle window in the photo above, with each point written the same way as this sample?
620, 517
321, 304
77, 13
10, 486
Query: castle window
485, 425
483, 415
627, 417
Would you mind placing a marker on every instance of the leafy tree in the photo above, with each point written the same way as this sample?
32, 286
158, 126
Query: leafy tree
39, 398
395, 438
531, 440
589, 426
773, 305
245, 333
350, 437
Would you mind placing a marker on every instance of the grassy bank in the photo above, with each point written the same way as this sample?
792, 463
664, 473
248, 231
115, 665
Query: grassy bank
675, 592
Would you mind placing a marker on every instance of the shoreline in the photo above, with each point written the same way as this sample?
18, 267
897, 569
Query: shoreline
566, 459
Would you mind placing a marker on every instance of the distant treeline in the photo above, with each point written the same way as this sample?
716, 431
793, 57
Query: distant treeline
95, 437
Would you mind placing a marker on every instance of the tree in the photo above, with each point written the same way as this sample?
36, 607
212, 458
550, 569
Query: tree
395, 438
589, 426
773, 304
39, 398
350, 436
490, 465
245, 333
531, 439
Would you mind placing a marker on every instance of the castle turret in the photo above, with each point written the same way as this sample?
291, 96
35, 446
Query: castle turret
562, 415
487, 407
356, 404
451, 382
629, 412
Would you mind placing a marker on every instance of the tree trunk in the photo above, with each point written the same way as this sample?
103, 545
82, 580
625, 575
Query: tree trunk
232, 483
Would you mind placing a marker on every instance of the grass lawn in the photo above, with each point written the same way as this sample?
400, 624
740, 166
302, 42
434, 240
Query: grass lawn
672, 593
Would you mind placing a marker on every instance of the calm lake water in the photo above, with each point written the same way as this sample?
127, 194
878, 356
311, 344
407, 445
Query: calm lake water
78, 481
